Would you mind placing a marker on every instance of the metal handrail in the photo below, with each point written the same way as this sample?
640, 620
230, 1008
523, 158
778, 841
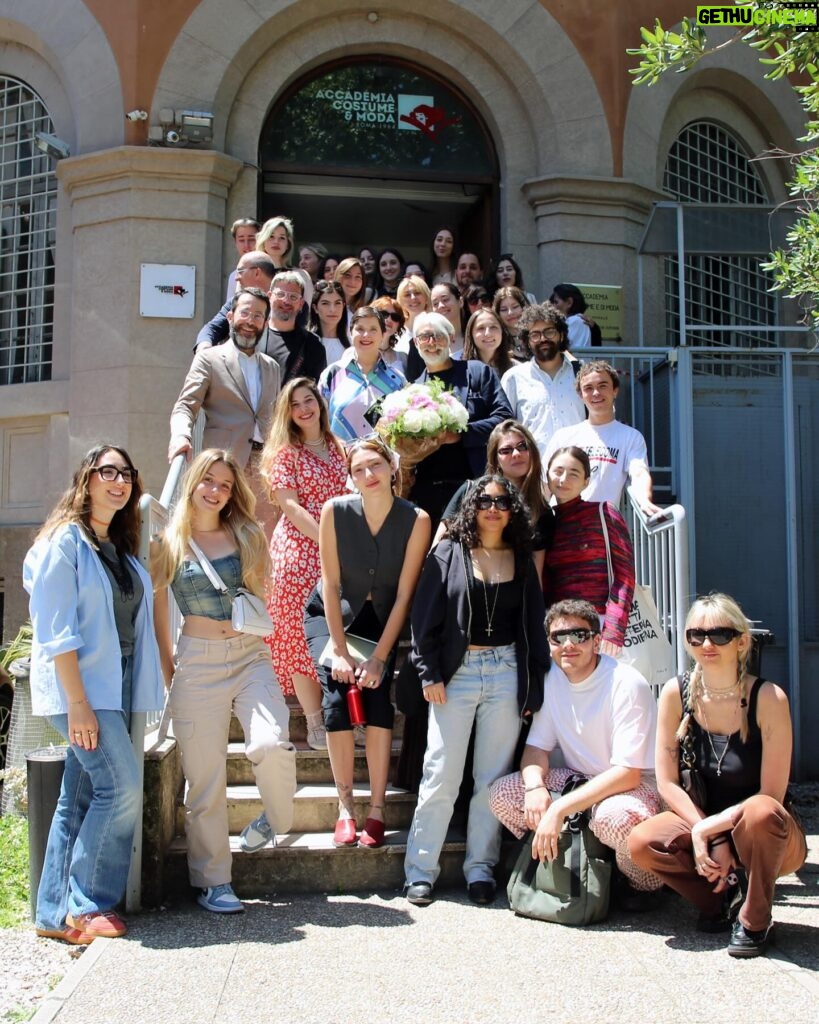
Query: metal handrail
660, 545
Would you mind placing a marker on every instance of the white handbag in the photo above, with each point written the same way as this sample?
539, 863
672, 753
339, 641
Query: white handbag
248, 612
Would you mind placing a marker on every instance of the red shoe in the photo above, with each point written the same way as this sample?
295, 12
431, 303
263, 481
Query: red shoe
99, 924
372, 835
73, 936
344, 833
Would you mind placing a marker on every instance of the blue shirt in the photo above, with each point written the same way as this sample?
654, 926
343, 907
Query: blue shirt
72, 609
349, 394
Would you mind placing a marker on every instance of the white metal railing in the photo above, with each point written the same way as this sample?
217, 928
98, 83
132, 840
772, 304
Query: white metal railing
154, 516
661, 563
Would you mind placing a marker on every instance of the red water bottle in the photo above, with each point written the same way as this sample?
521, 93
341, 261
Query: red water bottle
355, 706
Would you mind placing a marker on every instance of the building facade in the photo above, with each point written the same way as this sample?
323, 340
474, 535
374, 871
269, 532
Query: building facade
371, 124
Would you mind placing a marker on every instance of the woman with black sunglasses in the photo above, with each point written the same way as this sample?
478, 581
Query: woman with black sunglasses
724, 741
480, 654
94, 660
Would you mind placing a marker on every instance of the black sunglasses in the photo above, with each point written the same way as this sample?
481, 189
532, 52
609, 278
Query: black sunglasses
502, 502
719, 635
574, 636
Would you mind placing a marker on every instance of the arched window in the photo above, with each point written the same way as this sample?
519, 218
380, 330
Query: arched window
28, 194
706, 164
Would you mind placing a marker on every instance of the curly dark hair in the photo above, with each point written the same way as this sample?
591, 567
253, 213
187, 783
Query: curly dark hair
518, 533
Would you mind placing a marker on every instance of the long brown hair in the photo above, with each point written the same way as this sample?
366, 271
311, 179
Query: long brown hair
502, 359
531, 486
75, 505
346, 265
238, 517
284, 432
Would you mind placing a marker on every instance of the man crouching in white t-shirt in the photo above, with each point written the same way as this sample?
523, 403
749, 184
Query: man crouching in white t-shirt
617, 452
602, 715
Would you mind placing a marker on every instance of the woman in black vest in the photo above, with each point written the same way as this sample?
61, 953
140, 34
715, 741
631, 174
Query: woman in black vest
372, 546
731, 733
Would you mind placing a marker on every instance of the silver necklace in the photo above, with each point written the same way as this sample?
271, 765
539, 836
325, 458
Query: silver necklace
490, 615
719, 759
321, 443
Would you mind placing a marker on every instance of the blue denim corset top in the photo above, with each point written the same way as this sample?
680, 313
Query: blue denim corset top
196, 595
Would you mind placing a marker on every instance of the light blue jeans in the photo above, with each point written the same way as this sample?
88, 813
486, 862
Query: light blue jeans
484, 690
89, 843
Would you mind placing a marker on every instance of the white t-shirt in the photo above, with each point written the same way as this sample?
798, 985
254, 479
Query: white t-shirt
579, 332
334, 349
616, 451
608, 719
541, 402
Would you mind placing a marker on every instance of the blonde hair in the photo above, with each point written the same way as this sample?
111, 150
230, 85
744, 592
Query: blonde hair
237, 517
717, 610
267, 230
419, 285
284, 432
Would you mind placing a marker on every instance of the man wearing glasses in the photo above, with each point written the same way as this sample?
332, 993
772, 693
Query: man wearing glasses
542, 392
254, 270
602, 716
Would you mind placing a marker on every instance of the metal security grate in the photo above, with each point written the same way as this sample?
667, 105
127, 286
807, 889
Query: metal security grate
28, 194
706, 164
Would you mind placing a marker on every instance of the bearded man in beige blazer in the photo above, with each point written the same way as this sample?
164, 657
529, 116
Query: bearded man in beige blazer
236, 387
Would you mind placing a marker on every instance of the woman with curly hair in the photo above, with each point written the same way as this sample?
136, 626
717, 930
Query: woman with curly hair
94, 660
218, 671
480, 653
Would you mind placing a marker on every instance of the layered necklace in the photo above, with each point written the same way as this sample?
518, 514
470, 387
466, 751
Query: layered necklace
494, 580
318, 448
727, 693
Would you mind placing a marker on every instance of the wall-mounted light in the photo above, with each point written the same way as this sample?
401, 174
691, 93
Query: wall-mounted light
51, 145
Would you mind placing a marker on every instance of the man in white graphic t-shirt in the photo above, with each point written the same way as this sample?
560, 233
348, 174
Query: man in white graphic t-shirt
617, 452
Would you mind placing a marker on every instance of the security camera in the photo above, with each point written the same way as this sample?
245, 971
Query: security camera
173, 138
137, 115
51, 145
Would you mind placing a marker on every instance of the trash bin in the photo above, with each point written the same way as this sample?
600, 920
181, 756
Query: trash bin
44, 776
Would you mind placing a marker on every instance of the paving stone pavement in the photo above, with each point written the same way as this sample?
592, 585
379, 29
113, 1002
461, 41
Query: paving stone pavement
336, 958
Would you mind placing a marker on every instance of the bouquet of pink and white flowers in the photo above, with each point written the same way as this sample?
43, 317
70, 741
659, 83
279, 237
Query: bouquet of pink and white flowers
413, 421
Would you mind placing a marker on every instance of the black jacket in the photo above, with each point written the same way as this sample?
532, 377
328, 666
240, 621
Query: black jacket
441, 619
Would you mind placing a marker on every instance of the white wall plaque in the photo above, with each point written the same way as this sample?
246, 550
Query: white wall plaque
167, 289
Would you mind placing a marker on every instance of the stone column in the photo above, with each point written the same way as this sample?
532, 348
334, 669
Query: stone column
128, 206
588, 231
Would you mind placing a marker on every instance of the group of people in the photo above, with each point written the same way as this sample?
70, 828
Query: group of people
294, 499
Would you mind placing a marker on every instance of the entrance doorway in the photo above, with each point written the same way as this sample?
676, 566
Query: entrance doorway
379, 154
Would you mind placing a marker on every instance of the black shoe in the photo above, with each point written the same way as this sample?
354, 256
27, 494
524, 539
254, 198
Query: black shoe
419, 894
482, 893
631, 900
745, 943
732, 900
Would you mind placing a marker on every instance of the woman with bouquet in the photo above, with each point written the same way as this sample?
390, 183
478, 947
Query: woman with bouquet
460, 456
354, 384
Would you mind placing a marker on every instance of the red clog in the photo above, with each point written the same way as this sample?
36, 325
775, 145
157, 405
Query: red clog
345, 832
372, 835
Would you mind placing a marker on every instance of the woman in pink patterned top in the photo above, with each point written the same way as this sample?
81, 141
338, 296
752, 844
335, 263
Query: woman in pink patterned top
305, 466
576, 564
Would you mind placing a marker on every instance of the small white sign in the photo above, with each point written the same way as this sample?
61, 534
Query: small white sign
167, 289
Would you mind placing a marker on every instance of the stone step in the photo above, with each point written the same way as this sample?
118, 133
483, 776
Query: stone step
311, 765
315, 807
309, 863
298, 726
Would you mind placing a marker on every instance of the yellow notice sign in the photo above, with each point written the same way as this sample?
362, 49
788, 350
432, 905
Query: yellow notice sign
605, 303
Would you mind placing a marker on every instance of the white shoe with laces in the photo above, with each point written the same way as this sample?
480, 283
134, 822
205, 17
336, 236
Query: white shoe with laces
220, 899
257, 835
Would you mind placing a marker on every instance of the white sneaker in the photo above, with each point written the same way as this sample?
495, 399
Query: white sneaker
316, 737
220, 899
257, 835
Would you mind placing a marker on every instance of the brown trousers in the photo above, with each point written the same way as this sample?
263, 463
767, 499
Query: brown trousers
768, 844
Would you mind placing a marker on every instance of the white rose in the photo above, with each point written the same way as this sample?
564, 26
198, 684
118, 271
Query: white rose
413, 421
431, 420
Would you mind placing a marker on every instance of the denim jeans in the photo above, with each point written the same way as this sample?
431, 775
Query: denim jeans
483, 690
89, 843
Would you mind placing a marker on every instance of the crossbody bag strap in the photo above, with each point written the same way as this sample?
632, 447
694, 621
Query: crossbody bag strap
604, 526
207, 568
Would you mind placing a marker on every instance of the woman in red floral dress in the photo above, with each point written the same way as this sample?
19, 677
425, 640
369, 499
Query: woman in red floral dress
305, 466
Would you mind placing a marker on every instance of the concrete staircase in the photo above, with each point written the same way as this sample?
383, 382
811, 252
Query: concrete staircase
305, 859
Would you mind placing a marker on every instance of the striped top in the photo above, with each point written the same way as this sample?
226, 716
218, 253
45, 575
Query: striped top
350, 393
575, 564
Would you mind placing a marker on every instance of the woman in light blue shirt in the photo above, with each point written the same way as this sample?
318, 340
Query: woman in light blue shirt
94, 660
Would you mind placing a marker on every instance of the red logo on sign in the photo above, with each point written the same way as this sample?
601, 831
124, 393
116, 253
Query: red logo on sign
430, 120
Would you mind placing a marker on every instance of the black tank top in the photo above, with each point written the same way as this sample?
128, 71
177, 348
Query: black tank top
734, 777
